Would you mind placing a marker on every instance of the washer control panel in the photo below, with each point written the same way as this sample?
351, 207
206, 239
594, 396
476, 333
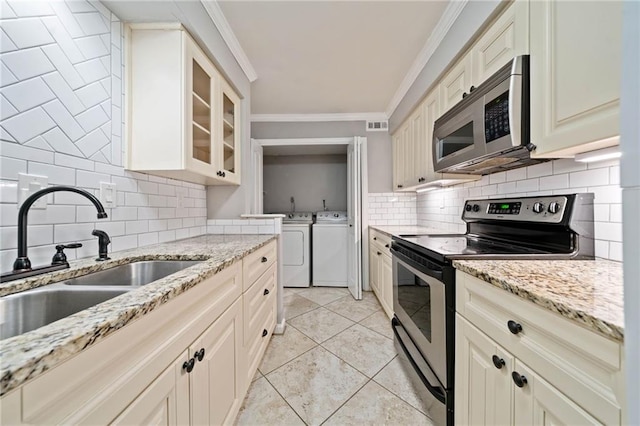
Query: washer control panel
331, 216
547, 209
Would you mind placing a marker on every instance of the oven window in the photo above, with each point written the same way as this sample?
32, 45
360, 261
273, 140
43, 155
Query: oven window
460, 139
414, 296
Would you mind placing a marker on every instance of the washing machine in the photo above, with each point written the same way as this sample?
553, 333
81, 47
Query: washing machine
296, 249
329, 248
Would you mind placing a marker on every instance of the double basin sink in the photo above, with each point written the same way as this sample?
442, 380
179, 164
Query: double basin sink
31, 309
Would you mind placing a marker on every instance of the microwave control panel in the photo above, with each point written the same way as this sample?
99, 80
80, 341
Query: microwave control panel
496, 118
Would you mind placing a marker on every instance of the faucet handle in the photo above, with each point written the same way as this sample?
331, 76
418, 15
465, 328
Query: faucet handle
60, 258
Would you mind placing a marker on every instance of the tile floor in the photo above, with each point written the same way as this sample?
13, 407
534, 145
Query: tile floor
334, 365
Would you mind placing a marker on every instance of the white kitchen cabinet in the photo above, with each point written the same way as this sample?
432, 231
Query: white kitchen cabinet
539, 403
573, 375
504, 39
380, 269
139, 375
483, 391
455, 83
184, 118
164, 402
575, 76
216, 380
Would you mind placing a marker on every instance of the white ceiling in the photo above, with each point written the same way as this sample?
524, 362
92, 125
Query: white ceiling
327, 57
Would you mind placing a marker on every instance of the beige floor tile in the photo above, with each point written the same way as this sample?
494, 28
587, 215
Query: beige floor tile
355, 310
283, 348
374, 405
320, 324
380, 323
256, 376
394, 378
324, 295
264, 406
362, 348
295, 305
370, 296
316, 384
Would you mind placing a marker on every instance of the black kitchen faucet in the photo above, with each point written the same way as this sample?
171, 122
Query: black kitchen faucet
22, 265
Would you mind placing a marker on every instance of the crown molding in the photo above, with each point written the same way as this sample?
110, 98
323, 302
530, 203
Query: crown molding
220, 21
451, 13
357, 116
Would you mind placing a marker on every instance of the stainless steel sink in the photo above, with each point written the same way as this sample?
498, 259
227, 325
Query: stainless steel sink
31, 309
133, 274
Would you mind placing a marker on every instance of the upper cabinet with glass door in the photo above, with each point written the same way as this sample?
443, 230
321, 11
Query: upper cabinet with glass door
183, 116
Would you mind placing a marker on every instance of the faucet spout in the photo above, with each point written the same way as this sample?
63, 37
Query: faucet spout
22, 262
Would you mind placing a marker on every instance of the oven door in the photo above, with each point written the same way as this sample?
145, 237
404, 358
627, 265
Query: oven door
420, 305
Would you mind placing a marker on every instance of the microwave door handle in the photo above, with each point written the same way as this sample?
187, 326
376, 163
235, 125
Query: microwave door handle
515, 102
436, 390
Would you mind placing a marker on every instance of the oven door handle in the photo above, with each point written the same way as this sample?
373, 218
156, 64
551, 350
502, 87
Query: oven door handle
437, 390
435, 273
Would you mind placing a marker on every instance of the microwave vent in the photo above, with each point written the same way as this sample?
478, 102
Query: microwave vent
377, 126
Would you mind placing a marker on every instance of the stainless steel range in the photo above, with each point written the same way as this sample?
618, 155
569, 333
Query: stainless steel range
548, 227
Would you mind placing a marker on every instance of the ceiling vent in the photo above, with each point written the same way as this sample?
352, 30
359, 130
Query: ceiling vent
377, 126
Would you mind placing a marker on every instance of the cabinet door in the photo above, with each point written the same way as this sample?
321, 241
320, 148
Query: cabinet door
398, 160
374, 278
575, 87
456, 82
164, 402
419, 147
216, 387
202, 79
229, 144
431, 108
482, 390
407, 163
386, 284
539, 403
506, 38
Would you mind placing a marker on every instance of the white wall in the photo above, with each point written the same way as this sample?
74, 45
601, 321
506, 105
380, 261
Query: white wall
62, 117
630, 179
308, 178
442, 208
378, 144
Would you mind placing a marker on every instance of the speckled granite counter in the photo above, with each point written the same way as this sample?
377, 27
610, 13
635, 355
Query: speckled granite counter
589, 292
25, 356
407, 230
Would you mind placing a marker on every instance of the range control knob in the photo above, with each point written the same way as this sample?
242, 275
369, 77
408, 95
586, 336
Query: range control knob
553, 208
538, 207
468, 207
476, 208
336, 215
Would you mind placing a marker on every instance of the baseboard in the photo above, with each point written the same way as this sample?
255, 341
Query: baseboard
279, 329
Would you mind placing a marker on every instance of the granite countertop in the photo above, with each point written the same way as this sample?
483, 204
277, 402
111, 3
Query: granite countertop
25, 356
392, 230
589, 292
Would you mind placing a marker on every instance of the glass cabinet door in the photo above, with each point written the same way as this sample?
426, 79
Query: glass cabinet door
201, 86
230, 146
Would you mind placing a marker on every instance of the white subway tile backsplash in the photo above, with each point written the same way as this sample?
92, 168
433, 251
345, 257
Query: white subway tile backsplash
615, 212
72, 232
10, 167
57, 175
29, 124
28, 94
124, 242
136, 227
609, 231
567, 165
516, 174
615, 251
528, 185
148, 239
182, 233
554, 182
74, 162
37, 235
90, 179
166, 236
593, 177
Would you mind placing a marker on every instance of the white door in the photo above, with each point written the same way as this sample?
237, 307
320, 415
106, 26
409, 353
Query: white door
256, 161
354, 197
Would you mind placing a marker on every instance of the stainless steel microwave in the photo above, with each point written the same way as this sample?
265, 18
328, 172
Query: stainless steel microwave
488, 130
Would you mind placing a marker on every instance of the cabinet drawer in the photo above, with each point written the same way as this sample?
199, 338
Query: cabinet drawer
380, 242
260, 295
582, 364
258, 340
254, 264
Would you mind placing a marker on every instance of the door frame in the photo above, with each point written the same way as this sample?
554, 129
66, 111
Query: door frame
257, 202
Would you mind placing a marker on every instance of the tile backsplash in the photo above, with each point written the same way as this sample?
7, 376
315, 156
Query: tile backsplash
245, 226
61, 117
442, 208
392, 208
